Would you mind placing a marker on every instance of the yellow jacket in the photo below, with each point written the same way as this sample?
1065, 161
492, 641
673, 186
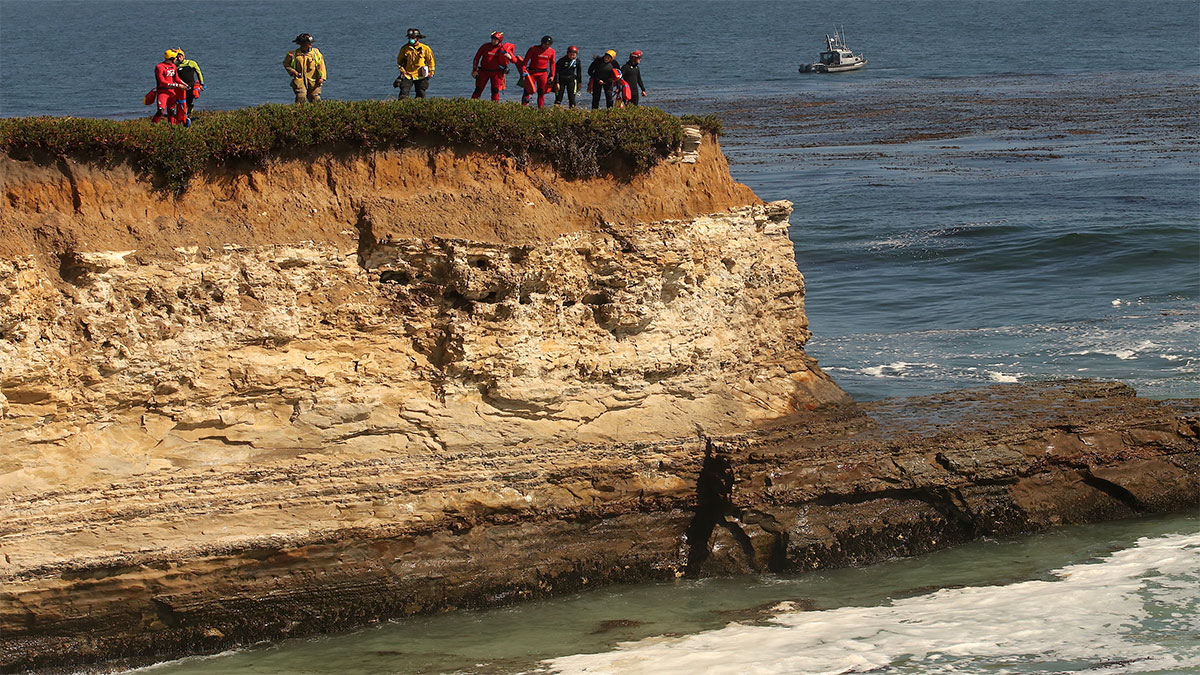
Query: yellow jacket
412, 57
311, 66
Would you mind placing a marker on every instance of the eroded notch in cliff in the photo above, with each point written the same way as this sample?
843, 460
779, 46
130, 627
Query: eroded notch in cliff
1115, 491
366, 236
713, 489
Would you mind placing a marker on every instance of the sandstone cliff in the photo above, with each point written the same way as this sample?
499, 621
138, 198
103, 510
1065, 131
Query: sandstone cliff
327, 391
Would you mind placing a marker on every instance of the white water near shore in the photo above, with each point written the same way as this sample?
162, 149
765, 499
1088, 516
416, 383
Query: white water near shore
1106, 598
1113, 616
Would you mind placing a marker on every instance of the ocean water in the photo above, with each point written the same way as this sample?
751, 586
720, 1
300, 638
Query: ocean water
1009, 192
1102, 599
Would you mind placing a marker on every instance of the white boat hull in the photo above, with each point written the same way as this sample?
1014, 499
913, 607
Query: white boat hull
840, 68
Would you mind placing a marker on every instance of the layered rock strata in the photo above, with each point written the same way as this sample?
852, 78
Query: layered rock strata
315, 394
203, 558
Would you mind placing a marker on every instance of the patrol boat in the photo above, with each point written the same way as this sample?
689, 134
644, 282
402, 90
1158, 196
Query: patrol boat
837, 57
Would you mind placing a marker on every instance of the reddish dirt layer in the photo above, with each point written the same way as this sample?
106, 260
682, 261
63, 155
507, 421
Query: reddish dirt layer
57, 205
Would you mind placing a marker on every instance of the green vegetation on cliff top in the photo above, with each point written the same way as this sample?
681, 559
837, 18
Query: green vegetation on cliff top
577, 143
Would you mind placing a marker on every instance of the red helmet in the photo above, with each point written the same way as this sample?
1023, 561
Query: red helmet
498, 34
573, 48
636, 54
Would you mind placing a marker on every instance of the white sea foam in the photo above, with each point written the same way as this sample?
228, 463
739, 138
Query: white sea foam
894, 369
996, 376
1085, 619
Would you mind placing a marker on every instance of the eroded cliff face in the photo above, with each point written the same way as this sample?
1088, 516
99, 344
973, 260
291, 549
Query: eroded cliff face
408, 318
57, 205
620, 334
317, 394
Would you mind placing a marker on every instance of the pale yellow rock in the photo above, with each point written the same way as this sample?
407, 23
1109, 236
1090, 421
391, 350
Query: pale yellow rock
276, 353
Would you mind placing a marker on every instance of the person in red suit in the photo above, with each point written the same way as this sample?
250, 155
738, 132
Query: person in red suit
539, 64
170, 90
491, 65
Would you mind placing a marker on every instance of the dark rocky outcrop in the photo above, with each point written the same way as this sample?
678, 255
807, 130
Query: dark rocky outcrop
846, 486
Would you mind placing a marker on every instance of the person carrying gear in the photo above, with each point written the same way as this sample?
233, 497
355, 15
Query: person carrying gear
621, 91
490, 65
189, 72
568, 77
416, 65
539, 66
632, 72
604, 73
169, 91
306, 65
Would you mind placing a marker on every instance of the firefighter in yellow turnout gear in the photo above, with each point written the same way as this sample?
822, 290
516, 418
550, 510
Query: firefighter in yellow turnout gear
416, 65
307, 68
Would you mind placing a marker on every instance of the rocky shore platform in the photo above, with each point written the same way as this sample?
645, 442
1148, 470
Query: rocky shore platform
316, 394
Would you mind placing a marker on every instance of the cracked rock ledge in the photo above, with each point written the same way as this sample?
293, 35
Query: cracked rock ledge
222, 428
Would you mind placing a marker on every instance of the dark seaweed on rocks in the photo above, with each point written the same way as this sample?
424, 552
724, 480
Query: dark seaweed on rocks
578, 144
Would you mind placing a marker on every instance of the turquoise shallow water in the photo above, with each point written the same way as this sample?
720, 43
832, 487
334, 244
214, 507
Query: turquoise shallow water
1064, 601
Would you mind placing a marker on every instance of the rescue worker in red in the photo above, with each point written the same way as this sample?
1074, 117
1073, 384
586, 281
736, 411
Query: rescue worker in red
491, 64
621, 91
169, 91
539, 66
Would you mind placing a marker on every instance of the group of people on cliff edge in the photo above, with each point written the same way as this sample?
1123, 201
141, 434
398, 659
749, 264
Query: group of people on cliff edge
542, 71
178, 80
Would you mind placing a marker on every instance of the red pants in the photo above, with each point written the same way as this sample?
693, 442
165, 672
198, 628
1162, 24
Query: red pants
495, 77
170, 103
540, 85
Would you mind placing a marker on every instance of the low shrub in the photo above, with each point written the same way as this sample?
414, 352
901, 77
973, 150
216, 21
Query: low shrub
578, 144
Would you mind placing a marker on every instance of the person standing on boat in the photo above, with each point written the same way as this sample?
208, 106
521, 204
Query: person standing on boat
632, 72
603, 77
490, 65
569, 78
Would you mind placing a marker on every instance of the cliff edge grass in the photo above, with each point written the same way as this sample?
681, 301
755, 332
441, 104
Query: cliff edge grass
576, 143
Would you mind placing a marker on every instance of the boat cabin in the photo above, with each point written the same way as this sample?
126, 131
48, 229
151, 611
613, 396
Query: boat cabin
837, 57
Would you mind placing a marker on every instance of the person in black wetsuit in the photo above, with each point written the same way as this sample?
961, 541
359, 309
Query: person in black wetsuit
189, 72
632, 71
569, 77
601, 72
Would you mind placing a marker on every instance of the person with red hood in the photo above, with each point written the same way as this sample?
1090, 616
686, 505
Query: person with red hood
169, 91
539, 66
491, 64
621, 91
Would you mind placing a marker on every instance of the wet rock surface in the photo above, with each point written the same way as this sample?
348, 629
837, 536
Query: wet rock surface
200, 560
263, 435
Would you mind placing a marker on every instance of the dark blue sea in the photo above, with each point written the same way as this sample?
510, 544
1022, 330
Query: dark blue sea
1009, 192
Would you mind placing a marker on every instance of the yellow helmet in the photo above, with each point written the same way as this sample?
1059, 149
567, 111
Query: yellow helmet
178, 52
611, 53
169, 54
